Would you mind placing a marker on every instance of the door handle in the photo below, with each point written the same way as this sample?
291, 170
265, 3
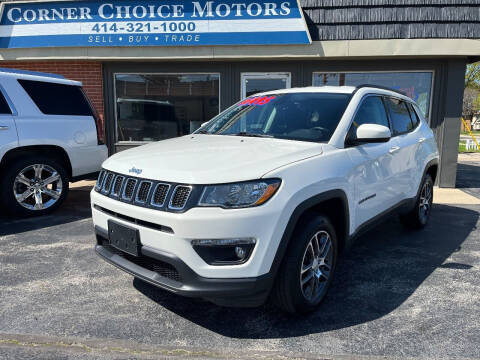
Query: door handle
394, 149
422, 139
3, 128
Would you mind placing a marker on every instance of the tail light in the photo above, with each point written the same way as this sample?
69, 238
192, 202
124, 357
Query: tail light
98, 121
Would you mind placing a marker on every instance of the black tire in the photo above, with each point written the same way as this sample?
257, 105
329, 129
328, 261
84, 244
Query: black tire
9, 185
418, 217
288, 293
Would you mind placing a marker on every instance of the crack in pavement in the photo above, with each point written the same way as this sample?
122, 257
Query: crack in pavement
144, 351
135, 349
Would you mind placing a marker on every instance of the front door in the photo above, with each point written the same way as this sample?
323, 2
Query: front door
253, 83
375, 171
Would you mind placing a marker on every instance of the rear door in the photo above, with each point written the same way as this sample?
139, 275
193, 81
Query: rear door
374, 172
8, 130
403, 156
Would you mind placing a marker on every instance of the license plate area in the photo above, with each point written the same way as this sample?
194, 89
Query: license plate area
124, 238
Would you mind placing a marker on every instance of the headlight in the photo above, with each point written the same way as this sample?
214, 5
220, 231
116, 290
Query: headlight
245, 194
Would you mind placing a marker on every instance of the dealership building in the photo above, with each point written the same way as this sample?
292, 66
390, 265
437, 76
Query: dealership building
159, 69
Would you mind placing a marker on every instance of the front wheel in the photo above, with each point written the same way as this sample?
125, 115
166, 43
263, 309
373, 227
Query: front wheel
33, 186
418, 217
308, 267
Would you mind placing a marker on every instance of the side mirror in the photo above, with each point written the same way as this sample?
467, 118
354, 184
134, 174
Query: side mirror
204, 123
372, 133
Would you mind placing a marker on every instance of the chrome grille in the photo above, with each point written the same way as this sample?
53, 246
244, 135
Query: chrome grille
99, 183
117, 185
143, 191
128, 189
180, 197
107, 184
160, 194
148, 193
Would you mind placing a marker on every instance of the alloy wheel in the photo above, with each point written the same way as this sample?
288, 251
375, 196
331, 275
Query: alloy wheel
425, 202
316, 266
37, 187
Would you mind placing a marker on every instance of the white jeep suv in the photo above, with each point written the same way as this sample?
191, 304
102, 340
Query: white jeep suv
49, 135
262, 199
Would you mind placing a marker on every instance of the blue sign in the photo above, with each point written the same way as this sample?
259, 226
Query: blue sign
152, 23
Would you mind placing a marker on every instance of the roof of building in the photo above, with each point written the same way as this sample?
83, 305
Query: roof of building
392, 19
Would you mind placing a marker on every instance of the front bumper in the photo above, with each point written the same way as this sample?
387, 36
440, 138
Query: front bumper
173, 232
168, 272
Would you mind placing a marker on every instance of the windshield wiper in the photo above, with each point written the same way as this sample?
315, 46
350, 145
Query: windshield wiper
243, 133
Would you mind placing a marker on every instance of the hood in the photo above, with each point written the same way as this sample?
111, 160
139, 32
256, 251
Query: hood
210, 159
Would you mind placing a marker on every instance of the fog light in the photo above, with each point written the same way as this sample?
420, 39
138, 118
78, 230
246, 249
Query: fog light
224, 251
240, 252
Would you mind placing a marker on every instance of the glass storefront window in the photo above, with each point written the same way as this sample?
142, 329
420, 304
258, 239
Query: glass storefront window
417, 85
152, 107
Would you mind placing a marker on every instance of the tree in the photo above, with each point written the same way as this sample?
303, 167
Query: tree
472, 76
471, 103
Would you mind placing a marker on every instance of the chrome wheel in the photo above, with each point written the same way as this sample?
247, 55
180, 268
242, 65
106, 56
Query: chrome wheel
37, 187
316, 266
425, 203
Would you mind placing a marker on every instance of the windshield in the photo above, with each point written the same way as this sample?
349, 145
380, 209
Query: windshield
294, 116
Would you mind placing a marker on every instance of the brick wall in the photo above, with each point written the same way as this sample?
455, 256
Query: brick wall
89, 73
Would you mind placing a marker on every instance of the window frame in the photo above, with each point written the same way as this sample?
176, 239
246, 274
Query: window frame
115, 110
428, 70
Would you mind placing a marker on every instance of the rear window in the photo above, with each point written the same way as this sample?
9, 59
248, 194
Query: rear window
413, 115
57, 99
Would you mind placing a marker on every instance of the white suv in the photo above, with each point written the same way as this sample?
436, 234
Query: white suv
262, 199
49, 135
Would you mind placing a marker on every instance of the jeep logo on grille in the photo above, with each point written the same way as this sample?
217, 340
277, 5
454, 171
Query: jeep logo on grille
135, 170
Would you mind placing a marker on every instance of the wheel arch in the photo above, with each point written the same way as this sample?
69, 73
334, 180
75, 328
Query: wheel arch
432, 169
54, 151
332, 201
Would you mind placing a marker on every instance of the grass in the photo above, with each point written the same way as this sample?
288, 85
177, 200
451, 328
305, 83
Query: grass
462, 148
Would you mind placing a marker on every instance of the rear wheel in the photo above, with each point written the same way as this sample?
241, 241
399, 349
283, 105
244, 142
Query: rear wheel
418, 217
33, 186
308, 267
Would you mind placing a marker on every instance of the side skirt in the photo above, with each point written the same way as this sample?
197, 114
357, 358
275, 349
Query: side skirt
402, 207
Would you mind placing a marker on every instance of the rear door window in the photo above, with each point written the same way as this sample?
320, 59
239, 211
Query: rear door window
399, 116
57, 99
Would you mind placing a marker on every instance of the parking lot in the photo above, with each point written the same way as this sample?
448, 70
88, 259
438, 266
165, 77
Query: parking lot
397, 294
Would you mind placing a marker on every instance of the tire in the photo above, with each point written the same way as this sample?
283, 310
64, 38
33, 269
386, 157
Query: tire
418, 217
44, 197
288, 293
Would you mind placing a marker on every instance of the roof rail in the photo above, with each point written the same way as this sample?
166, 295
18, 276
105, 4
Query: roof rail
28, 72
380, 87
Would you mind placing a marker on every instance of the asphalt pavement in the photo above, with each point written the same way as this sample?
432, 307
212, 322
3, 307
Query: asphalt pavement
468, 173
397, 294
